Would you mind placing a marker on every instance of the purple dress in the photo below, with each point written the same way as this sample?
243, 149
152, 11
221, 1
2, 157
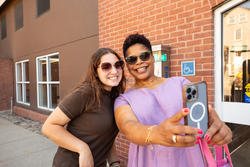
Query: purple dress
151, 107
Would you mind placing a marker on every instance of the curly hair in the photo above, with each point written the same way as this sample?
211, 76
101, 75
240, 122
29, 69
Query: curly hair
134, 39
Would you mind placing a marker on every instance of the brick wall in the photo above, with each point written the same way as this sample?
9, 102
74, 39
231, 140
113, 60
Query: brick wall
6, 83
185, 25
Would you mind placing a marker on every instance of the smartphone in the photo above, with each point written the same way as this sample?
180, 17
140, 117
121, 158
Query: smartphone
195, 98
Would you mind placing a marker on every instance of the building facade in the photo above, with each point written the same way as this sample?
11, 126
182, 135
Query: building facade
49, 44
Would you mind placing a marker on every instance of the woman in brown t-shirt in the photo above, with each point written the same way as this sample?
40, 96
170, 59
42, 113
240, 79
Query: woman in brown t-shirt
88, 139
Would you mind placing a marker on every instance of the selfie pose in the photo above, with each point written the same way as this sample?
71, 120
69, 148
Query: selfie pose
151, 114
88, 115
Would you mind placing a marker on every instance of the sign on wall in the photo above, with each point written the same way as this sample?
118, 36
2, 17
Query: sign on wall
188, 68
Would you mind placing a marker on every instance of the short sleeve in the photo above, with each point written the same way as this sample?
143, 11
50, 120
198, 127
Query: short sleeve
119, 101
184, 81
74, 103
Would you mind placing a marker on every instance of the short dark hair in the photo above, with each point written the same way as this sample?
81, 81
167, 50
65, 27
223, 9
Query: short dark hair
134, 39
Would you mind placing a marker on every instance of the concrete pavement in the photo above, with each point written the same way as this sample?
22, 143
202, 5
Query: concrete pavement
22, 148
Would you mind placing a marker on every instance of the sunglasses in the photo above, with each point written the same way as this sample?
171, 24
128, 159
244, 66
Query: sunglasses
133, 59
108, 66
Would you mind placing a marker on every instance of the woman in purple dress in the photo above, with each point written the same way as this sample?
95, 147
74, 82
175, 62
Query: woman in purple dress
151, 114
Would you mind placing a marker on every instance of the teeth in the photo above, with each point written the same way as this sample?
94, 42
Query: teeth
142, 69
113, 78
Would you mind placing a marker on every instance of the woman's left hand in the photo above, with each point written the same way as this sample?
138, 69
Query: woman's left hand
218, 132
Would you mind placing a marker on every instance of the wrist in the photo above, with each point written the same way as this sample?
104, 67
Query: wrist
83, 148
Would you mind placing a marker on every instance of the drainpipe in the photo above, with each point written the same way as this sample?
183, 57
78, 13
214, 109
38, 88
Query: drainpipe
11, 105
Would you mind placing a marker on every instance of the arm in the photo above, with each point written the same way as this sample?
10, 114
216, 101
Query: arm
54, 129
112, 157
161, 134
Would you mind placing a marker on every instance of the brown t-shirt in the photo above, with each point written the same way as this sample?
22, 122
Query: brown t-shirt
96, 127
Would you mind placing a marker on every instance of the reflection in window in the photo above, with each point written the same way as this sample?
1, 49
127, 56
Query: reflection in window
48, 81
22, 82
231, 20
236, 42
242, 18
238, 33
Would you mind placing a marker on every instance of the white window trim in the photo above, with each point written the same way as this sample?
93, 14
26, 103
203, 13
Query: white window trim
45, 82
228, 111
21, 82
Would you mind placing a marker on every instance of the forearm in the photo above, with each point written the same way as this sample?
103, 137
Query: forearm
60, 136
137, 132
112, 156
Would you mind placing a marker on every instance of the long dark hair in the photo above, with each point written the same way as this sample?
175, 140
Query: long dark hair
92, 81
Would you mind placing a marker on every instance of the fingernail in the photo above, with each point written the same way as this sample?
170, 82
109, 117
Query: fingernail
199, 131
209, 142
213, 144
186, 110
197, 142
198, 137
207, 137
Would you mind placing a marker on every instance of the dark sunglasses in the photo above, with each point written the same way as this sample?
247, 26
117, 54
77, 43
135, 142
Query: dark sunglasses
133, 59
108, 66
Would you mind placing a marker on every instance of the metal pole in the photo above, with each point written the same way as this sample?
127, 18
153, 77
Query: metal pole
11, 105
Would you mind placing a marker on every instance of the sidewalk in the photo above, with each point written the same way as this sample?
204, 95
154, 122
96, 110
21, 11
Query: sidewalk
20, 147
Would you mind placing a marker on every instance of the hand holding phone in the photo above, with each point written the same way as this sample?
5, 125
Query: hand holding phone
195, 98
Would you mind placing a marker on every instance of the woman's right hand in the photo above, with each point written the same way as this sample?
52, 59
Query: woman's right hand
186, 136
86, 158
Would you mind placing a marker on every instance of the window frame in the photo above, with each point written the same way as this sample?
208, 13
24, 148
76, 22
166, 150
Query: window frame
234, 20
228, 111
18, 6
5, 27
235, 34
37, 7
47, 82
21, 82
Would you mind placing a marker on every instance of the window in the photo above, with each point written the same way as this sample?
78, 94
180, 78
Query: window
238, 34
242, 18
22, 82
232, 62
232, 20
42, 6
48, 81
19, 15
3, 27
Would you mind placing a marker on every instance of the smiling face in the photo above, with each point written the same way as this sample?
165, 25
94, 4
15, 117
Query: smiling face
110, 77
141, 70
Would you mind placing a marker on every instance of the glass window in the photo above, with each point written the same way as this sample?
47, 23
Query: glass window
19, 15
242, 18
42, 6
236, 79
48, 81
3, 27
232, 20
22, 82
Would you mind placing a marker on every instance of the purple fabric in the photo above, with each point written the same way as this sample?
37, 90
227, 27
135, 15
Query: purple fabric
151, 107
